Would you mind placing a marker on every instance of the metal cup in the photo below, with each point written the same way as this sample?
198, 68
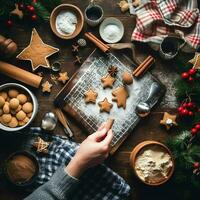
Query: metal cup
93, 14
170, 46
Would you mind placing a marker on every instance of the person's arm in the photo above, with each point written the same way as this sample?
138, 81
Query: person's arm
92, 151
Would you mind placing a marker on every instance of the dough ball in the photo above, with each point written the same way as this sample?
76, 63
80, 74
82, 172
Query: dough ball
12, 93
13, 123
23, 122
27, 107
1, 111
6, 108
4, 95
22, 98
29, 115
127, 78
6, 118
18, 108
2, 101
21, 115
14, 103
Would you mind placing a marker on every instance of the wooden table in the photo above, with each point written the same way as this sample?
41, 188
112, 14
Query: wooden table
148, 128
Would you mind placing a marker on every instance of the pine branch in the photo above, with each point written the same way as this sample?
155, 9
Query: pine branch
41, 11
50, 4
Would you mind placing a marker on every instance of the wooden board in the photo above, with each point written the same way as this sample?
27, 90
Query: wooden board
71, 97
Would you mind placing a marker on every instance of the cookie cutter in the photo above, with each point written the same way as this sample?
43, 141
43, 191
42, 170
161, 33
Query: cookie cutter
56, 66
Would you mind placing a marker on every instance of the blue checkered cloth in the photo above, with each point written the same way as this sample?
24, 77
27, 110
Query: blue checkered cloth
98, 183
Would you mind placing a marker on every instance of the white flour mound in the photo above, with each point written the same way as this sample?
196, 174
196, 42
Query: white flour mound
153, 164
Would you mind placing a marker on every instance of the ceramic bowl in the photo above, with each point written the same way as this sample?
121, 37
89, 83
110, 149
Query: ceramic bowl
33, 99
111, 21
34, 160
138, 149
73, 9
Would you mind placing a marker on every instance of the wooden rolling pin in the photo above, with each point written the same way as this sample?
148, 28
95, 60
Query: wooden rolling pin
20, 74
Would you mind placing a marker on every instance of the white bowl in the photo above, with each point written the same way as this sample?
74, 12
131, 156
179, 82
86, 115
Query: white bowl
35, 106
111, 21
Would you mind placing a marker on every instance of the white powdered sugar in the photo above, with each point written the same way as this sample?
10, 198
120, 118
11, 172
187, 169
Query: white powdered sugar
66, 22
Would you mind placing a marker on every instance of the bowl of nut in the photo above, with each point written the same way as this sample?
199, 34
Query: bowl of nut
18, 107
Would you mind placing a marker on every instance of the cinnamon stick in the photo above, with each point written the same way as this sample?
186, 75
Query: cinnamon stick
144, 66
20, 74
105, 48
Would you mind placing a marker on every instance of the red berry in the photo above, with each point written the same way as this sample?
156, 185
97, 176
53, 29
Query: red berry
185, 105
190, 105
196, 165
184, 75
190, 79
21, 6
192, 71
190, 113
194, 131
34, 17
9, 23
197, 126
198, 109
31, 9
180, 108
184, 112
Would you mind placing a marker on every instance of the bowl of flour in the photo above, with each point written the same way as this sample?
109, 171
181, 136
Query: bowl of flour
111, 30
66, 21
152, 162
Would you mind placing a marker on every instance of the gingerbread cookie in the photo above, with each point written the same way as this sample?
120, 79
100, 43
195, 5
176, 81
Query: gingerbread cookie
37, 52
168, 120
90, 96
127, 78
46, 86
120, 95
107, 81
105, 106
63, 77
41, 145
136, 3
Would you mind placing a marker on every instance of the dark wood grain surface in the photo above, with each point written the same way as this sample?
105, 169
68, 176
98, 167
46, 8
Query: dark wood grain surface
148, 128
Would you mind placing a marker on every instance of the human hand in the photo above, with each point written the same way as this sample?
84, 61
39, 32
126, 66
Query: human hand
92, 151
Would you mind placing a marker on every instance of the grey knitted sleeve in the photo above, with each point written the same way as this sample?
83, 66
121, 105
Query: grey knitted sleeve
58, 187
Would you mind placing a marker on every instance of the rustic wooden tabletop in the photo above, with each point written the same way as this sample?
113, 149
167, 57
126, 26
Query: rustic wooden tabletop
148, 128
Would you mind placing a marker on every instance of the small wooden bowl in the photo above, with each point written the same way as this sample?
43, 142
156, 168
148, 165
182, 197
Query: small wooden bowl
76, 11
137, 150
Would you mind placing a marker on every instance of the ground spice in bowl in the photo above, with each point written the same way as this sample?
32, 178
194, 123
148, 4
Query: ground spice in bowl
21, 168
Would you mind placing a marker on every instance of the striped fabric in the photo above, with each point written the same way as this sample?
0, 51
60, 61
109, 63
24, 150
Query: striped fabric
157, 18
98, 183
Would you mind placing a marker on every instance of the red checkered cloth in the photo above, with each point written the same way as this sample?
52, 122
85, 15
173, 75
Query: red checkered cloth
158, 18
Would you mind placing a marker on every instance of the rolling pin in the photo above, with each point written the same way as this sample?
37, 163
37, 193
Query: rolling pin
20, 74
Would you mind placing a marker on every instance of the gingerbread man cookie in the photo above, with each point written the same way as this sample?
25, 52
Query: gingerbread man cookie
107, 81
105, 106
90, 96
120, 95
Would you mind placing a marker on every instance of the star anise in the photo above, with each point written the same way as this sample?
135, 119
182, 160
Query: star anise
112, 70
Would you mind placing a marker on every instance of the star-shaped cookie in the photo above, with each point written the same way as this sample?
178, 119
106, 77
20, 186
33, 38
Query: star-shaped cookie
41, 145
196, 61
46, 86
105, 106
107, 81
90, 96
120, 95
37, 52
168, 120
63, 77
17, 12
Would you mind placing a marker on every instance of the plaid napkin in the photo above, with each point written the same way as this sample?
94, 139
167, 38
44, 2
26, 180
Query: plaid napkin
98, 183
157, 18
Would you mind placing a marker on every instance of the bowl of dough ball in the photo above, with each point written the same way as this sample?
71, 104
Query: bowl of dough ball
18, 107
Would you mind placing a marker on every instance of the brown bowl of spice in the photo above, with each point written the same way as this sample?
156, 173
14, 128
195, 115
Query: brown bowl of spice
21, 168
66, 21
152, 163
